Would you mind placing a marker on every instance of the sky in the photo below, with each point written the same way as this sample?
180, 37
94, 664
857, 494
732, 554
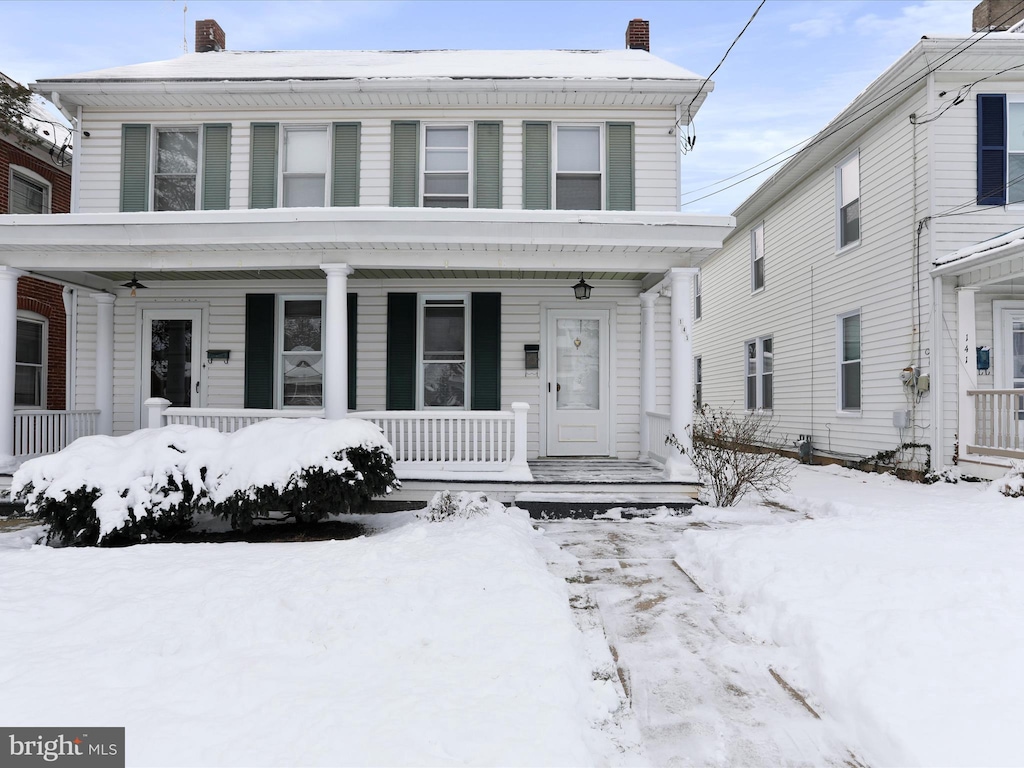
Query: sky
799, 63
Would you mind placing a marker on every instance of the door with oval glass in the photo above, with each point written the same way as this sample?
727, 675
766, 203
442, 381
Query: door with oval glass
170, 356
578, 370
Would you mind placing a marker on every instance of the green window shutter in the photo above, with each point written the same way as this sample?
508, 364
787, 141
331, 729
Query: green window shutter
485, 352
405, 163
401, 354
263, 166
216, 166
345, 165
353, 357
620, 193
536, 165
487, 165
259, 350
134, 167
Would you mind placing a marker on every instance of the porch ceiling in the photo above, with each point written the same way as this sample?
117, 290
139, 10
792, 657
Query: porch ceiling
366, 274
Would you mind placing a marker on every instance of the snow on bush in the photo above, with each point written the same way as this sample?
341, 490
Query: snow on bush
150, 483
459, 506
1012, 483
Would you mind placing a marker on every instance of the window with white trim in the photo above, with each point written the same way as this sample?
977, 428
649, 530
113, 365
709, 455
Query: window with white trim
1015, 151
849, 360
697, 296
698, 382
446, 166
30, 361
848, 201
29, 192
757, 258
300, 345
304, 168
578, 168
444, 324
759, 371
175, 169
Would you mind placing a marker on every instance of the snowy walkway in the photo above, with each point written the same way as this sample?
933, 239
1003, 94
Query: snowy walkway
702, 691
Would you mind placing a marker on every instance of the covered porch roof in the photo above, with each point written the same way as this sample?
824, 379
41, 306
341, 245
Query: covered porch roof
994, 260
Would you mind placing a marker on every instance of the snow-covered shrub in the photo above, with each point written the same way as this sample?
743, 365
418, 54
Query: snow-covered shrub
735, 454
1012, 483
459, 506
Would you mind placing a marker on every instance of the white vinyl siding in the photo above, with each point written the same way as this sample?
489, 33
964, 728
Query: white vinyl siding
656, 149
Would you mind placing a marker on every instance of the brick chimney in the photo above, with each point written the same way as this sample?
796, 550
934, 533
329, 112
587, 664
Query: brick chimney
209, 36
638, 35
997, 15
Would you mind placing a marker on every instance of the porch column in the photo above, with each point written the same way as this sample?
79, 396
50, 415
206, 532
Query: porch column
104, 362
648, 383
8, 349
967, 370
335, 341
679, 466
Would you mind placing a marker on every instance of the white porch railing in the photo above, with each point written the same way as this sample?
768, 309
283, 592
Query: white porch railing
221, 419
37, 433
998, 423
657, 430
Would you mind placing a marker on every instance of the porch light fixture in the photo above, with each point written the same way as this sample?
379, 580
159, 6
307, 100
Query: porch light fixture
582, 290
133, 284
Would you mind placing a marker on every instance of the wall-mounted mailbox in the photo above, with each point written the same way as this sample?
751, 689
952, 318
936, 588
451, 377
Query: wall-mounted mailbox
984, 358
223, 355
532, 353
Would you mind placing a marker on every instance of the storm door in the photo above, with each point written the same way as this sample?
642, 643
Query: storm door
170, 356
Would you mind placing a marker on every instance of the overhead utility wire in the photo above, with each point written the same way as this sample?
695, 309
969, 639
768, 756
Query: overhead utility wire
688, 143
893, 92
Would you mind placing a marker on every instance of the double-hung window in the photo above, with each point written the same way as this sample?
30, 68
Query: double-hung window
760, 367
697, 308
578, 184
446, 166
757, 258
698, 382
848, 201
848, 333
30, 362
301, 377
304, 171
443, 351
1015, 152
175, 170
29, 193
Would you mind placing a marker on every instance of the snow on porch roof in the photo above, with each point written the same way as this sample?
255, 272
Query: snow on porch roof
405, 65
1009, 243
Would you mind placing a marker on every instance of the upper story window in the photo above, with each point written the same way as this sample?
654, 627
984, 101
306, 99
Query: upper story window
697, 297
848, 200
757, 258
578, 167
30, 361
304, 170
29, 192
1015, 152
446, 166
175, 170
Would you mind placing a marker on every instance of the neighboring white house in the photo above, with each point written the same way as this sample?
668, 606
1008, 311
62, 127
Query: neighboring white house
823, 307
396, 234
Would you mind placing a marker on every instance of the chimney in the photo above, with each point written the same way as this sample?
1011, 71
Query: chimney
209, 36
997, 15
638, 35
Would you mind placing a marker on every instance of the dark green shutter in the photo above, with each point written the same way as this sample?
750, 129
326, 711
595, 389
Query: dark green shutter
485, 352
487, 165
992, 149
620, 194
259, 350
216, 167
536, 165
263, 166
405, 163
401, 353
353, 357
345, 165
134, 167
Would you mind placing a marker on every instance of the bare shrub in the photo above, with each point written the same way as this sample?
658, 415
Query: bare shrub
735, 454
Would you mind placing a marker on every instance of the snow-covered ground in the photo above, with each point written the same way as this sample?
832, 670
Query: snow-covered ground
428, 644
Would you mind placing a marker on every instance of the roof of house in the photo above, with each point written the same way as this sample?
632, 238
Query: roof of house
42, 123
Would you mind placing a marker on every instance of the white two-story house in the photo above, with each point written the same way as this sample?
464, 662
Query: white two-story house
404, 236
852, 303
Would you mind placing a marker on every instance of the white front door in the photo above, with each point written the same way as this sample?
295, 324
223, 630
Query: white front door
578, 367
171, 364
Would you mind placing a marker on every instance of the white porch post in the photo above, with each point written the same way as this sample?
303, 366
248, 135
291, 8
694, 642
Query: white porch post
8, 341
335, 341
648, 384
679, 466
519, 434
967, 370
104, 362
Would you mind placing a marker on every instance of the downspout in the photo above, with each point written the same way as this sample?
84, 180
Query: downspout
70, 296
